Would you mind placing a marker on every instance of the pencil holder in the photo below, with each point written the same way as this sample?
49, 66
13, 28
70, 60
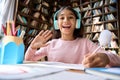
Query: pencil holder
12, 50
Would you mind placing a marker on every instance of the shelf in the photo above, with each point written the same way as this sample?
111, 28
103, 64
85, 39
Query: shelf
98, 15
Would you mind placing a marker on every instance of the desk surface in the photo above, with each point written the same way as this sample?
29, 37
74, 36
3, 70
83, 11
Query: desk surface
44, 73
71, 74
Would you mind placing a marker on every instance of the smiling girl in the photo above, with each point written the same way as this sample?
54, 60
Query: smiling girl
67, 44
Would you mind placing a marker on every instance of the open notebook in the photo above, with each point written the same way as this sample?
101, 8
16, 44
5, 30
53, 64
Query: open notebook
57, 65
14, 72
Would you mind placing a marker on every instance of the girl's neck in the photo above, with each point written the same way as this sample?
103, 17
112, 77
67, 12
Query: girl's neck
68, 37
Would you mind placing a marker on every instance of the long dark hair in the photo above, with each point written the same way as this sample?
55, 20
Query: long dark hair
77, 32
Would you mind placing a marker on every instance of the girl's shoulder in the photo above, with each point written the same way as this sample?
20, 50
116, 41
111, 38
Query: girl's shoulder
84, 39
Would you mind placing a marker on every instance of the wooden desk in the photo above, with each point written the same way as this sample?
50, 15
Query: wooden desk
77, 71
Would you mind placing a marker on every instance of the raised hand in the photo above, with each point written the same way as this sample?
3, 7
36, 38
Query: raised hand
41, 39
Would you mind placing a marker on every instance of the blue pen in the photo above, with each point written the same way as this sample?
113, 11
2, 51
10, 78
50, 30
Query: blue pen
18, 32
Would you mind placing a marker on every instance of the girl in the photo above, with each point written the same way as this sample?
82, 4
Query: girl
69, 46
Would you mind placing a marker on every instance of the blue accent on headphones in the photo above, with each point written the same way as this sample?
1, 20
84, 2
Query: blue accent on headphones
77, 22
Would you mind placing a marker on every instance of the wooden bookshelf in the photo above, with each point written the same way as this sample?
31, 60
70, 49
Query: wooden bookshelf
97, 15
33, 16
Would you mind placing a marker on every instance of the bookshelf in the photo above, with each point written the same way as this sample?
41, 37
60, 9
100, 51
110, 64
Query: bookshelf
97, 15
33, 16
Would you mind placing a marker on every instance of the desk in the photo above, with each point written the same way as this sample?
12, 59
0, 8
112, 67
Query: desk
70, 74
77, 71
35, 72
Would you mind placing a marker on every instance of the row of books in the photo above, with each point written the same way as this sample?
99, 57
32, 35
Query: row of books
41, 7
87, 21
94, 36
75, 3
110, 9
22, 19
33, 32
110, 1
28, 40
97, 4
113, 43
100, 3
99, 11
99, 27
33, 23
110, 17
85, 8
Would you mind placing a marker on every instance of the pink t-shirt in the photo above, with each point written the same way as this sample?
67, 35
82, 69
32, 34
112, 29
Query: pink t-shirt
69, 51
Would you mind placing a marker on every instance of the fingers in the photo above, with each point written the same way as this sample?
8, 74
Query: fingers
41, 32
46, 33
95, 60
87, 59
41, 39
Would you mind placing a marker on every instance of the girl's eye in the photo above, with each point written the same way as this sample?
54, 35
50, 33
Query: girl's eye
71, 17
68, 17
61, 18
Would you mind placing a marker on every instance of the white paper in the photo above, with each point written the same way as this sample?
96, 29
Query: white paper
66, 75
58, 65
24, 72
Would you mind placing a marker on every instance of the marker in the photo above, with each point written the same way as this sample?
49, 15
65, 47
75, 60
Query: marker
4, 29
22, 34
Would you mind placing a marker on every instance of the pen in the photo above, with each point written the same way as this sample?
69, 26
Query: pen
9, 30
4, 29
22, 34
13, 29
96, 49
18, 32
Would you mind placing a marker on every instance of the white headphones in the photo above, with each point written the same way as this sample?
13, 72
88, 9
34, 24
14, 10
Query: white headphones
77, 22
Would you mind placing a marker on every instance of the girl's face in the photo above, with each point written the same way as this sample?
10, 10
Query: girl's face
66, 22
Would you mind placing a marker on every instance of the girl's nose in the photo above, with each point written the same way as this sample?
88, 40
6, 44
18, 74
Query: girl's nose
66, 19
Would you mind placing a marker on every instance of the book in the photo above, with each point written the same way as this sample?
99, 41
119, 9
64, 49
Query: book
110, 73
113, 1
26, 2
96, 36
109, 26
114, 44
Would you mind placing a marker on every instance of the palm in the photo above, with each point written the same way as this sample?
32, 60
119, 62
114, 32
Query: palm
41, 39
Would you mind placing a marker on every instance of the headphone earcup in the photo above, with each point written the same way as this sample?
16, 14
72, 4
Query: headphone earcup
56, 25
78, 24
